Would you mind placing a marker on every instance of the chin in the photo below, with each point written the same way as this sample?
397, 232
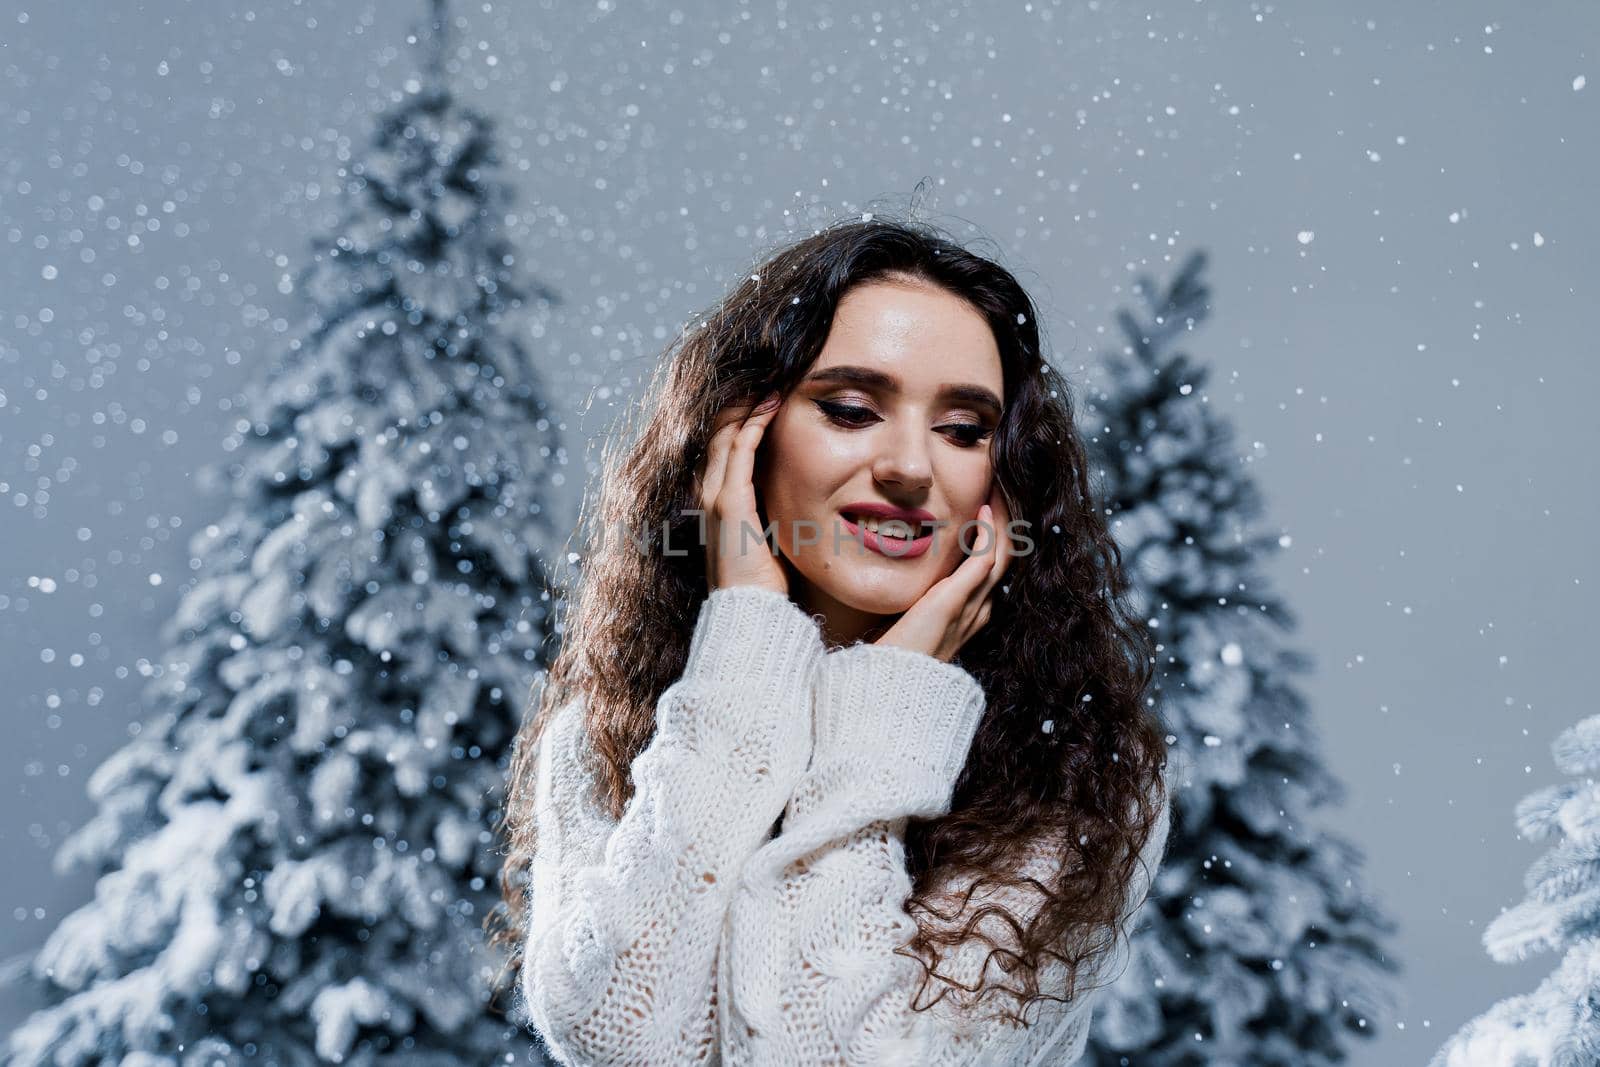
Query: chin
877, 595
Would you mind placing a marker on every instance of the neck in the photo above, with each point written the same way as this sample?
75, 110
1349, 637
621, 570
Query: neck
841, 624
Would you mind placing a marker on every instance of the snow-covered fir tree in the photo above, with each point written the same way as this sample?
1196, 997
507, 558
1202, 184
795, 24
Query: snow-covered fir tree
293, 856
1558, 1024
1258, 947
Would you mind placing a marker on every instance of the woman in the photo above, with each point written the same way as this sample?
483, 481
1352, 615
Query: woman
949, 729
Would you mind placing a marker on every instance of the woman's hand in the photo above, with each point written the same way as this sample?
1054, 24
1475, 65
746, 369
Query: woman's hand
737, 552
958, 605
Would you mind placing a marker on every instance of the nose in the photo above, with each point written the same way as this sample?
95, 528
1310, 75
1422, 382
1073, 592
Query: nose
903, 461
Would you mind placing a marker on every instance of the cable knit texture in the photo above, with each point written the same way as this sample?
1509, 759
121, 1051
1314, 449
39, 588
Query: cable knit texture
687, 933
624, 919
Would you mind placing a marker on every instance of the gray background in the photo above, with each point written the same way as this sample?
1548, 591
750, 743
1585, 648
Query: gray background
1413, 385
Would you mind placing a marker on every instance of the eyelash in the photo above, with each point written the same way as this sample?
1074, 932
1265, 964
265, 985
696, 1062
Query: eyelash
842, 413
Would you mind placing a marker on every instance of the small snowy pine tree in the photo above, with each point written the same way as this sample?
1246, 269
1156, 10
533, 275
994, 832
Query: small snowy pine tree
1259, 947
1558, 1024
294, 854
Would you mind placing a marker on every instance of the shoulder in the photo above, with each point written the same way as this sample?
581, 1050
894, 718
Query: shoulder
1161, 797
1154, 849
563, 726
564, 753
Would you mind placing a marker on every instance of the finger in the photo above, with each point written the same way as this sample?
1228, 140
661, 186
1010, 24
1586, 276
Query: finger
727, 426
994, 556
728, 422
1005, 549
967, 577
730, 418
981, 605
981, 554
739, 470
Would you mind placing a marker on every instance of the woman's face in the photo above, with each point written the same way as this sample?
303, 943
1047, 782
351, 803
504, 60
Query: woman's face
899, 409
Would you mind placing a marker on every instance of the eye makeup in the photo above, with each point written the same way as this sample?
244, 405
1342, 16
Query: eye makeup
855, 416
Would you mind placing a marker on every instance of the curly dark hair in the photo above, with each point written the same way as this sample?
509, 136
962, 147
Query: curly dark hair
1062, 643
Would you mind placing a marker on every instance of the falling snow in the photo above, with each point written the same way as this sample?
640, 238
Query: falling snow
1392, 206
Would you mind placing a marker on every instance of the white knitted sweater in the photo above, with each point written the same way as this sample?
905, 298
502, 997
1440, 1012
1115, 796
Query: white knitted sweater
687, 933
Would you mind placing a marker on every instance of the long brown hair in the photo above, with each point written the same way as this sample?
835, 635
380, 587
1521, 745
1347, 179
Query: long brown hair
1061, 645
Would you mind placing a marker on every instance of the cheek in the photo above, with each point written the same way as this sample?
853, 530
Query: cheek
969, 482
796, 469
790, 490
773, 455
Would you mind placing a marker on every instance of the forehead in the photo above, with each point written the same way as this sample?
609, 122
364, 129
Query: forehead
920, 332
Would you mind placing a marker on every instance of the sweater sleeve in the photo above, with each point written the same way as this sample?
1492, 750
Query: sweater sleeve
625, 917
809, 969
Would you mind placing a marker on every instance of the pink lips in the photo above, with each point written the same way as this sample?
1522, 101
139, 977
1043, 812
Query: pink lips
889, 511
894, 548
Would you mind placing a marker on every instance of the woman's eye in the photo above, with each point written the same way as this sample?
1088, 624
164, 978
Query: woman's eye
844, 413
970, 433
965, 434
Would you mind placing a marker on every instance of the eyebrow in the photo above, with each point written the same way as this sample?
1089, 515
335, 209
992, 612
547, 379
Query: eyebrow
870, 378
